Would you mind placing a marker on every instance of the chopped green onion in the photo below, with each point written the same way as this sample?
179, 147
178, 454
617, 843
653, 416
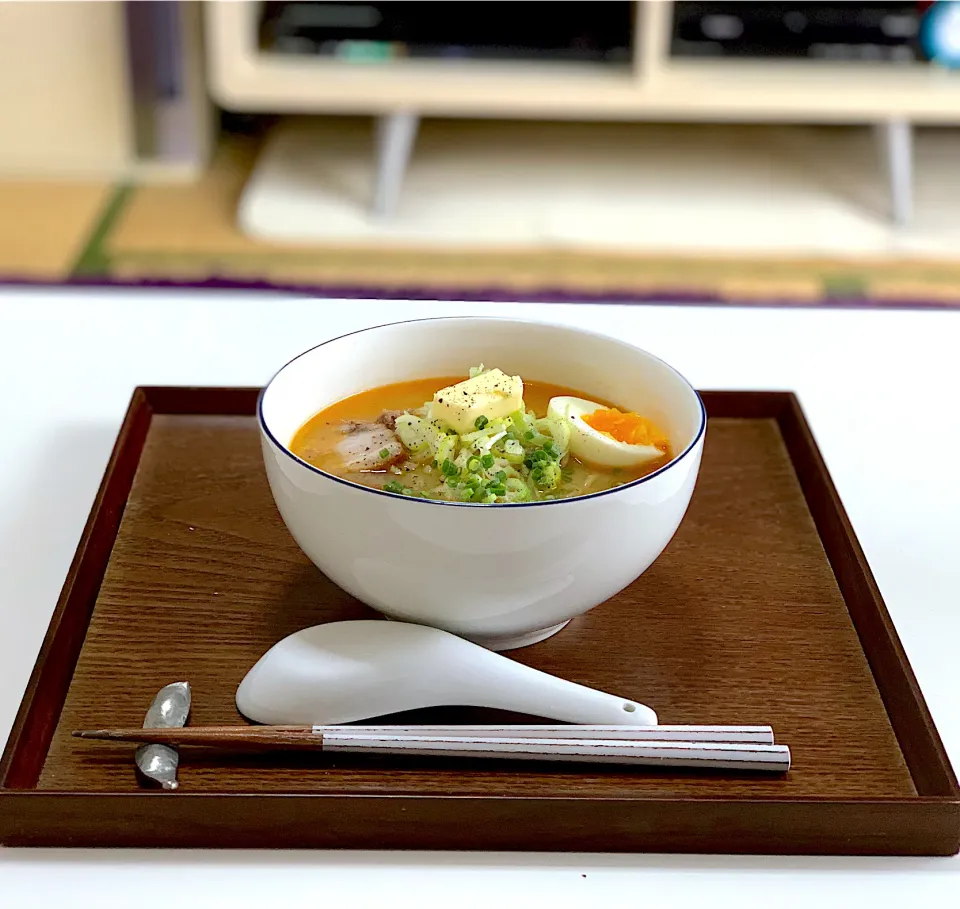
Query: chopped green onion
481, 421
384, 453
488, 460
394, 486
498, 490
501, 476
551, 449
452, 483
529, 434
473, 465
549, 475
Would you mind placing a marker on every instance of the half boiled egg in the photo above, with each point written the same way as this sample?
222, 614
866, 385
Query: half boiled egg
607, 437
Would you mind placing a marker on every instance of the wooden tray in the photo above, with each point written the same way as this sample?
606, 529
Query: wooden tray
762, 610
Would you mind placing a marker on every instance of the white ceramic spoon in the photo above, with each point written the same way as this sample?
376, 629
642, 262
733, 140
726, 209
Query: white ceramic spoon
348, 671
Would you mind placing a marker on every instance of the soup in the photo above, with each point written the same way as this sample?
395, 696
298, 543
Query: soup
487, 439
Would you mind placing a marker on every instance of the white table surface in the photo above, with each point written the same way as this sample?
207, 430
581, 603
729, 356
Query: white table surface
879, 388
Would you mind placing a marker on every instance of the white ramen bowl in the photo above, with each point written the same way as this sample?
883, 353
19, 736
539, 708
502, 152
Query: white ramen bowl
501, 575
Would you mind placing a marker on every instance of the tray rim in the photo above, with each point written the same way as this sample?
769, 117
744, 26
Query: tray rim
53, 817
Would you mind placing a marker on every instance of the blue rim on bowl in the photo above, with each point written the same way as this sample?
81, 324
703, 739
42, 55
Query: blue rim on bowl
417, 501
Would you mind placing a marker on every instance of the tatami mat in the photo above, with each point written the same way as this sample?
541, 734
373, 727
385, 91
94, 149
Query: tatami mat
188, 233
44, 227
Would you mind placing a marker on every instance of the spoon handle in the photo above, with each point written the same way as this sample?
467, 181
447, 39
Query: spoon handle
512, 686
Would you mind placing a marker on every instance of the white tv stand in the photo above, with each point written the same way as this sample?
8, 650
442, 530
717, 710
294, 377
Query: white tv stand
654, 87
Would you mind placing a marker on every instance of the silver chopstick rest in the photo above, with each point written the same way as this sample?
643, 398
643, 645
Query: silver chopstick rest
169, 710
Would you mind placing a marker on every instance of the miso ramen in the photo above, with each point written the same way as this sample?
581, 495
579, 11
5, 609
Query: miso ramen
489, 438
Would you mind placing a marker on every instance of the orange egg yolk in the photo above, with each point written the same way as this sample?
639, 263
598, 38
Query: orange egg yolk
629, 428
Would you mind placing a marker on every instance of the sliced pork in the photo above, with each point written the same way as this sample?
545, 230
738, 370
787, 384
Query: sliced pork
389, 418
369, 446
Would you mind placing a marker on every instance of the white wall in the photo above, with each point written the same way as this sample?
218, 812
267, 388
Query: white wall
64, 109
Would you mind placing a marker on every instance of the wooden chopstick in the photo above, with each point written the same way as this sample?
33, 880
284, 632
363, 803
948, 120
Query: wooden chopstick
491, 742
303, 736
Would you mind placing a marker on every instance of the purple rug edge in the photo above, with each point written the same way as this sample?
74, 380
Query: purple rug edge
487, 294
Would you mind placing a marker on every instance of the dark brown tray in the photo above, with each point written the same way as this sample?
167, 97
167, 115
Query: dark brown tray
762, 609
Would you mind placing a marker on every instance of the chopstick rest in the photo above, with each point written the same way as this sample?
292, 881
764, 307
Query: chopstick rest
170, 708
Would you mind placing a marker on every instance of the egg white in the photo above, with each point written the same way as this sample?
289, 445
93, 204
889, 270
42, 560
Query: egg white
594, 447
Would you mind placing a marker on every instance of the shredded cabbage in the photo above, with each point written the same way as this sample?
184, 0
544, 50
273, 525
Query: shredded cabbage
558, 430
447, 449
517, 490
519, 458
422, 438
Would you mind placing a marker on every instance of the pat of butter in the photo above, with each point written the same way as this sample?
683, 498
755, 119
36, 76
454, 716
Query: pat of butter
492, 394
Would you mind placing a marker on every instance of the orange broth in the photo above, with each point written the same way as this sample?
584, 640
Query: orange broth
316, 441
